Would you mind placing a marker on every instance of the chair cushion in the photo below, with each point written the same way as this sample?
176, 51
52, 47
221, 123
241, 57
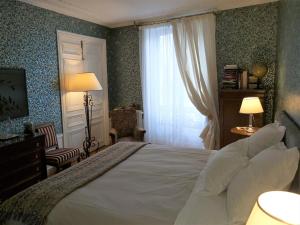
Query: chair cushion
126, 139
59, 157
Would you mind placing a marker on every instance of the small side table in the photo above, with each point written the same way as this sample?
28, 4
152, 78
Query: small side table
242, 131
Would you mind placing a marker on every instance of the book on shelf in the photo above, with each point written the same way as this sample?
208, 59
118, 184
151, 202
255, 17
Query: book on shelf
253, 79
228, 67
252, 85
244, 80
231, 77
252, 82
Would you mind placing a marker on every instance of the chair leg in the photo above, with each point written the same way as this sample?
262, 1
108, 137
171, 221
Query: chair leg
67, 165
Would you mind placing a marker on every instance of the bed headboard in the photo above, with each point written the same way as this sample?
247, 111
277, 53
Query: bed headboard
291, 139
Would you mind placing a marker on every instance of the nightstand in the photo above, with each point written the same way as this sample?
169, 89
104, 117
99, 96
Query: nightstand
242, 131
230, 104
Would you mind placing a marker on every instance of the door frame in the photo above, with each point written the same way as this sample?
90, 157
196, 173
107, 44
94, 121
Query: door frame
63, 35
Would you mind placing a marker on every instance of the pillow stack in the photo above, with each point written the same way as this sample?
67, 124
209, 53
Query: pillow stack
272, 169
247, 168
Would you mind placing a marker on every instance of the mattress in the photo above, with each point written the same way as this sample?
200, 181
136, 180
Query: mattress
153, 186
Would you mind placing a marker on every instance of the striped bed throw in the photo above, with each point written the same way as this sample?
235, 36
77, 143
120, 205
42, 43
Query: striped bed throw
32, 206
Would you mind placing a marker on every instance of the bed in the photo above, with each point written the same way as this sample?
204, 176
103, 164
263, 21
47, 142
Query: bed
148, 185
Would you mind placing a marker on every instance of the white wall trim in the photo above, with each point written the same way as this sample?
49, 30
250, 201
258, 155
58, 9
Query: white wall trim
66, 9
84, 10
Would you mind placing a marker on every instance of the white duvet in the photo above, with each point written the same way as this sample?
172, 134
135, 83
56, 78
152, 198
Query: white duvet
151, 187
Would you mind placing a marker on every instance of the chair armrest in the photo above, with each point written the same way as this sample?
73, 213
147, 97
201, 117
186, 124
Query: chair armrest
113, 133
139, 134
141, 130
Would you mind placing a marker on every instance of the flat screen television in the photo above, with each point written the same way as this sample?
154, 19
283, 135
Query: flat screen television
13, 93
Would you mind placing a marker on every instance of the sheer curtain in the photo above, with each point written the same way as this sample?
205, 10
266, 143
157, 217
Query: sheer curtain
169, 116
194, 40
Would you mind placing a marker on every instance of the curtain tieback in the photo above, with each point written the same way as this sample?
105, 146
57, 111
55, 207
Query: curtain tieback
210, 117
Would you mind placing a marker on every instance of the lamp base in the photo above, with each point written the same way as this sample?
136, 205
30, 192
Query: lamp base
90, 143
250, 130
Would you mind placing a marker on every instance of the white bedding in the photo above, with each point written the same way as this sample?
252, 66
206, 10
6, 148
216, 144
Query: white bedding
151, 187
204, 210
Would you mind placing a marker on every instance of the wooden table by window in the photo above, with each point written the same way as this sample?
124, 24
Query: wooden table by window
242, 131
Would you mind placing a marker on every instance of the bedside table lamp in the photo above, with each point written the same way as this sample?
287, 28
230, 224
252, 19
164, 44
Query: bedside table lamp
251, 105
85, 82
276, 208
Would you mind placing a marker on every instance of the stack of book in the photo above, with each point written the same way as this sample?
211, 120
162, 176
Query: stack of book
252, 82
231, 77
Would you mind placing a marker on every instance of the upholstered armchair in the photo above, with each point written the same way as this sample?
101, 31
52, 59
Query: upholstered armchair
124, 126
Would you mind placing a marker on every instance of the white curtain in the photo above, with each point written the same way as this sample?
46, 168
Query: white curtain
194, 40
169, 116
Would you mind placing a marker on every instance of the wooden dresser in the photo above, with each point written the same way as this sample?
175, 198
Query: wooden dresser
22, 164
230, 103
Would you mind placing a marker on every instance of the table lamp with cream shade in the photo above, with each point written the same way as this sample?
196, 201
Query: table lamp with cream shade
276, 208
251, 105
85, 82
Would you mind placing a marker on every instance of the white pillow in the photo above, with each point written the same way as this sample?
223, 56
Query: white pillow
264, 138
219, 171
272, 169
239, 146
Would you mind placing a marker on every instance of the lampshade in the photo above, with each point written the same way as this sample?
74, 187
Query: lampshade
251, 105
276, 208
83, 82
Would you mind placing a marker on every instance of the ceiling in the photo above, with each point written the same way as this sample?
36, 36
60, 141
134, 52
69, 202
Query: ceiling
116, 13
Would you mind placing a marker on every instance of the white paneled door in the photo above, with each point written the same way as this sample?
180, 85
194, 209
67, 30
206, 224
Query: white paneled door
77, 54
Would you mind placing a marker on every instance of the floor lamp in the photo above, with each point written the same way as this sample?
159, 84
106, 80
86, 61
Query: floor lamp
85, 82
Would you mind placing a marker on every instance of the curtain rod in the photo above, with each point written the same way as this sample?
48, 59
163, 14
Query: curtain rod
140, 24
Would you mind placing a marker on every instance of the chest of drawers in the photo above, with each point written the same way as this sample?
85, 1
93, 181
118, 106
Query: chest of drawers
22, 164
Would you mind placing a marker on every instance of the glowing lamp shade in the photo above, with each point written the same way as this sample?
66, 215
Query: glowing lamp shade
251, 105
83, 82
276, 208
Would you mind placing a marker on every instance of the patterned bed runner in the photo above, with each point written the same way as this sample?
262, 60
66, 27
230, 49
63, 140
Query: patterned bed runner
32, 206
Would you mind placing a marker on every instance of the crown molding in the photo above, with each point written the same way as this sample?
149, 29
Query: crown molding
69, 9
66, 9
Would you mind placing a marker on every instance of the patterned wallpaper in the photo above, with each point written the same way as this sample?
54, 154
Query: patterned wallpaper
28, 40
244, 36
289, 58
123, 67
248, 35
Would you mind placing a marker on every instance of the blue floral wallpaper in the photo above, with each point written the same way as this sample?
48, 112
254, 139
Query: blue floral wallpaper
123, 67
28, 40
288, 97
244, 36
248, 35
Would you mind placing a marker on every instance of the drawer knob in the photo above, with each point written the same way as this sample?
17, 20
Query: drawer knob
37, 144
36, 156
38, 169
